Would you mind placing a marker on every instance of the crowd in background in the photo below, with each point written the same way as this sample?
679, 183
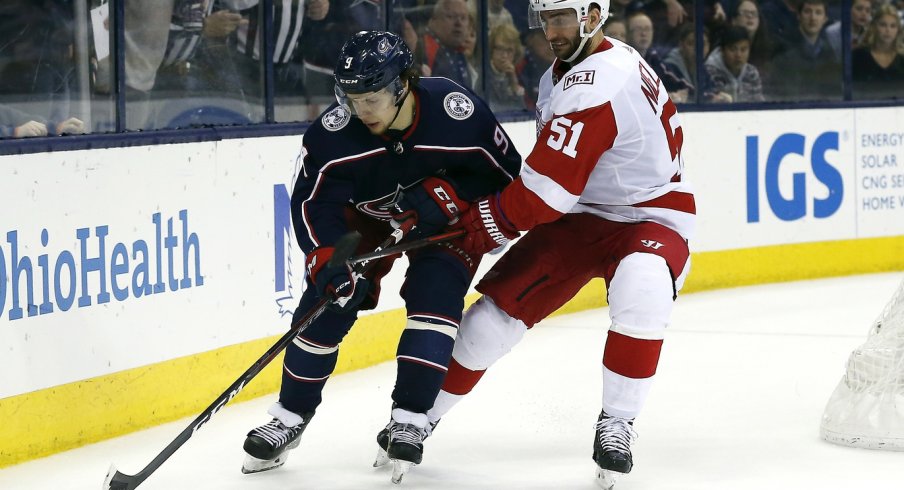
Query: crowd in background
198, 62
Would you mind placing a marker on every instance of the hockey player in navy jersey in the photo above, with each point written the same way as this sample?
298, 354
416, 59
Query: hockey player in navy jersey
395, 147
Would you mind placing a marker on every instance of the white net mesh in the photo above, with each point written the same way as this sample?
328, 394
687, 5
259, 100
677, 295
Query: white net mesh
867, 407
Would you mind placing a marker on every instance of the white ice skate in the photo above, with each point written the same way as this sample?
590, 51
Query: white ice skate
267, 447
256, 465
612, 449
382, 458
401, 442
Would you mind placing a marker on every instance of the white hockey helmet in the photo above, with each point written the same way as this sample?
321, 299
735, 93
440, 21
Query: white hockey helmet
582, 11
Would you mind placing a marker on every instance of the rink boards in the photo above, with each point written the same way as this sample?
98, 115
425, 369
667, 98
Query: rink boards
137, 283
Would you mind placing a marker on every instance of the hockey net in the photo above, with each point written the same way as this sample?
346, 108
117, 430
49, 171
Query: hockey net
867, 407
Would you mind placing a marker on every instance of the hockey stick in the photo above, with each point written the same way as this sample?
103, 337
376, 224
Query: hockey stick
404, 247
344, 248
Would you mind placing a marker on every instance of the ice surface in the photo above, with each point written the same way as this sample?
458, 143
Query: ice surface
743, 380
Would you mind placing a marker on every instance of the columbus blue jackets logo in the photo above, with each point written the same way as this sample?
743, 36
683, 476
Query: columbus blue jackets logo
383, 46
382, 207
336, 119
458, 105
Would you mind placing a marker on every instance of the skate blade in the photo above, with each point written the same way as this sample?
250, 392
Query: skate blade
399, 468
382, 458
255, 465
605, 478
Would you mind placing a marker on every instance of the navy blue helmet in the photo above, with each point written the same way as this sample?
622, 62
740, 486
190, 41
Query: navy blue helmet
370, 61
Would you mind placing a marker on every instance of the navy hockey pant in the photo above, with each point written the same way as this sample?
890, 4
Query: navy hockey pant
434, 289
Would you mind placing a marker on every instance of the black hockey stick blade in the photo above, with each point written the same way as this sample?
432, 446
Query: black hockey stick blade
120, 481
346, 246
404, 247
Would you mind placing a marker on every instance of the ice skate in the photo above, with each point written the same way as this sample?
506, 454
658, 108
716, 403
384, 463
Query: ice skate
402, 442
383, 442
267, 447
612, 449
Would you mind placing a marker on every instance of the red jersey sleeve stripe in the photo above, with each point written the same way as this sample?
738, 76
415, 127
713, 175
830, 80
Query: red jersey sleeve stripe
523, 208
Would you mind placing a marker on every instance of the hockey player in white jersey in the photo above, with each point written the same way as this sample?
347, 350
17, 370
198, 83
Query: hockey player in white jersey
602, 194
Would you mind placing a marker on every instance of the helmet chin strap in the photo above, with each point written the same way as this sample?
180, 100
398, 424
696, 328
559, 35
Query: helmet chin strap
399, 105
584, 39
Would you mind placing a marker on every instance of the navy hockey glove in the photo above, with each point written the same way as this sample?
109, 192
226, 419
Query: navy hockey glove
486, 227
343, 288
433, 203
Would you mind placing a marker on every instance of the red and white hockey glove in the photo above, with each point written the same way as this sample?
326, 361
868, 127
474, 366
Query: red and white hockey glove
486, 227
433, 203
339, 284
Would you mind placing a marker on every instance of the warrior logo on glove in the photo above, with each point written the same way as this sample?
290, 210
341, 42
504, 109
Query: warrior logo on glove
489, 223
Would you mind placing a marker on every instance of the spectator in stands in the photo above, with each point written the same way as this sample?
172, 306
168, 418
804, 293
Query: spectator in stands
679, 70
668, 15
783, 25
616, 29
729, 68
640, 37
808, 69
746, 14
197, 64
37, 66
640, 33
498, 14
679, 67
146, 27
409, 34
861, 15
505, 90
621, 9
676, 12
36, 42
289, 18
469, 50
17, 124
447, 34
366, 15
327, 25
878, 67
518, 10
537, 59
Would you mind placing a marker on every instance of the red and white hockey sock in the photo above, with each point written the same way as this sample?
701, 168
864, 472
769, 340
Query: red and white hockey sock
629, 365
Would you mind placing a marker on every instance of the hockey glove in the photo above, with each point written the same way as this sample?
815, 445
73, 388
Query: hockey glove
486, 227
433, 203
343, 288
